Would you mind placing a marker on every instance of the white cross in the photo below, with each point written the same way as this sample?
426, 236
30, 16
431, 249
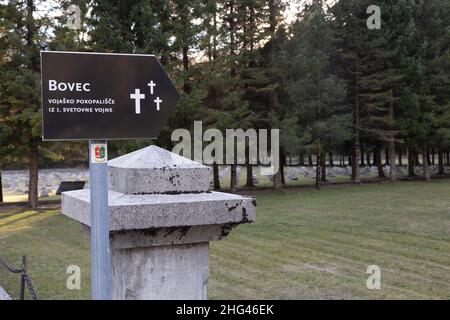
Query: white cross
151, 85
137, 96
157, 101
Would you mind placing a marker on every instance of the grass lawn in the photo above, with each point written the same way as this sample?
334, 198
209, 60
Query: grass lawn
305, 244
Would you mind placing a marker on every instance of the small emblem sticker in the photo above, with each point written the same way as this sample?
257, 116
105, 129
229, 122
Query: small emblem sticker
99, 153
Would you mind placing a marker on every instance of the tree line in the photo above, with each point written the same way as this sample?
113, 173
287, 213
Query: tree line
319, 74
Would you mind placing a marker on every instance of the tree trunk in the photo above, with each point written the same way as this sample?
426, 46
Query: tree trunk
282, 166
233, 178
33, 144
216, 176
377, 160
214, 48
301, 160
249, 181
441, 170
232, 31
277, 180
368, 158
386, 156
392, 159
33, 171
362, 164
310, 161
186, 85
209, 49
411, 162
331, 161
391, 145
416, 159
400, 156
356, 149
1, 188
323, 174
426, 173
277, 184
31, 30
273, 97
356, 152
432, 157
447, 158
318, 171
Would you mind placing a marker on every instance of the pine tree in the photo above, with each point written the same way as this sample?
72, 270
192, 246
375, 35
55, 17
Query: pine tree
313, 86
23, 35
381, 83
350, 38
423, 97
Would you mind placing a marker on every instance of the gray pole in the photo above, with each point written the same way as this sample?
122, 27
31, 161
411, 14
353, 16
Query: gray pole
100, 261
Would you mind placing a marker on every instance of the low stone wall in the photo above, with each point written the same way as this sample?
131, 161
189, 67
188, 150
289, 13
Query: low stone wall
15, 182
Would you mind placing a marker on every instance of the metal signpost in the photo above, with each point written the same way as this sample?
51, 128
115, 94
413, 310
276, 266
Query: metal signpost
99, 97
98, 171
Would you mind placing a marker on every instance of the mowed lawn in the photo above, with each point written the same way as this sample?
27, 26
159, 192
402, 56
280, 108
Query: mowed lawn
305, 244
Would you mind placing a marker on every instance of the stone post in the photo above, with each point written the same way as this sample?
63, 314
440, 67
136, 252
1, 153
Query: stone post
162, 216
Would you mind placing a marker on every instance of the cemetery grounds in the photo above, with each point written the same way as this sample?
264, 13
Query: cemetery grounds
305, 244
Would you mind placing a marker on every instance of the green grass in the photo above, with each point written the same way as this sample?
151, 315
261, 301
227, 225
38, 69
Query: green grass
51, 242
305, 244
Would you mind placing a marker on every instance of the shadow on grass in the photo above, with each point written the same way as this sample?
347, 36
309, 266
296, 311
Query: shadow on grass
18, 219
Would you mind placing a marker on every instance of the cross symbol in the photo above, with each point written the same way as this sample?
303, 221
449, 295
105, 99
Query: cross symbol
157, 101
151, 85
137, 96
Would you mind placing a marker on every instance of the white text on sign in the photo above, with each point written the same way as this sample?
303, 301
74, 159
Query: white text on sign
54, 85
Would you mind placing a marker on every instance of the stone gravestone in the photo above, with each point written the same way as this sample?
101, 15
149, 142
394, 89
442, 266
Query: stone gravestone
162, 217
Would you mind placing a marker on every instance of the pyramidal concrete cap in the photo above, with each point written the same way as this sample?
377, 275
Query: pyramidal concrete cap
153, 170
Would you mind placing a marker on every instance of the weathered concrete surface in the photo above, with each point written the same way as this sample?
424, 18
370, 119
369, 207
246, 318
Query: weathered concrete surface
4, 295
130, 212
161, 218
160, 273
155, 170
169, 236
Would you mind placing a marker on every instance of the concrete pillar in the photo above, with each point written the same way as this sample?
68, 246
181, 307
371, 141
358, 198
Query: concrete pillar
162, 218
166, 272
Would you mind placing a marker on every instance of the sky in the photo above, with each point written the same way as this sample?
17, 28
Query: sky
293, 7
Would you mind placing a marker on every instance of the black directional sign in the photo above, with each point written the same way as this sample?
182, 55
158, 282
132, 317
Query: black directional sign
104, 96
